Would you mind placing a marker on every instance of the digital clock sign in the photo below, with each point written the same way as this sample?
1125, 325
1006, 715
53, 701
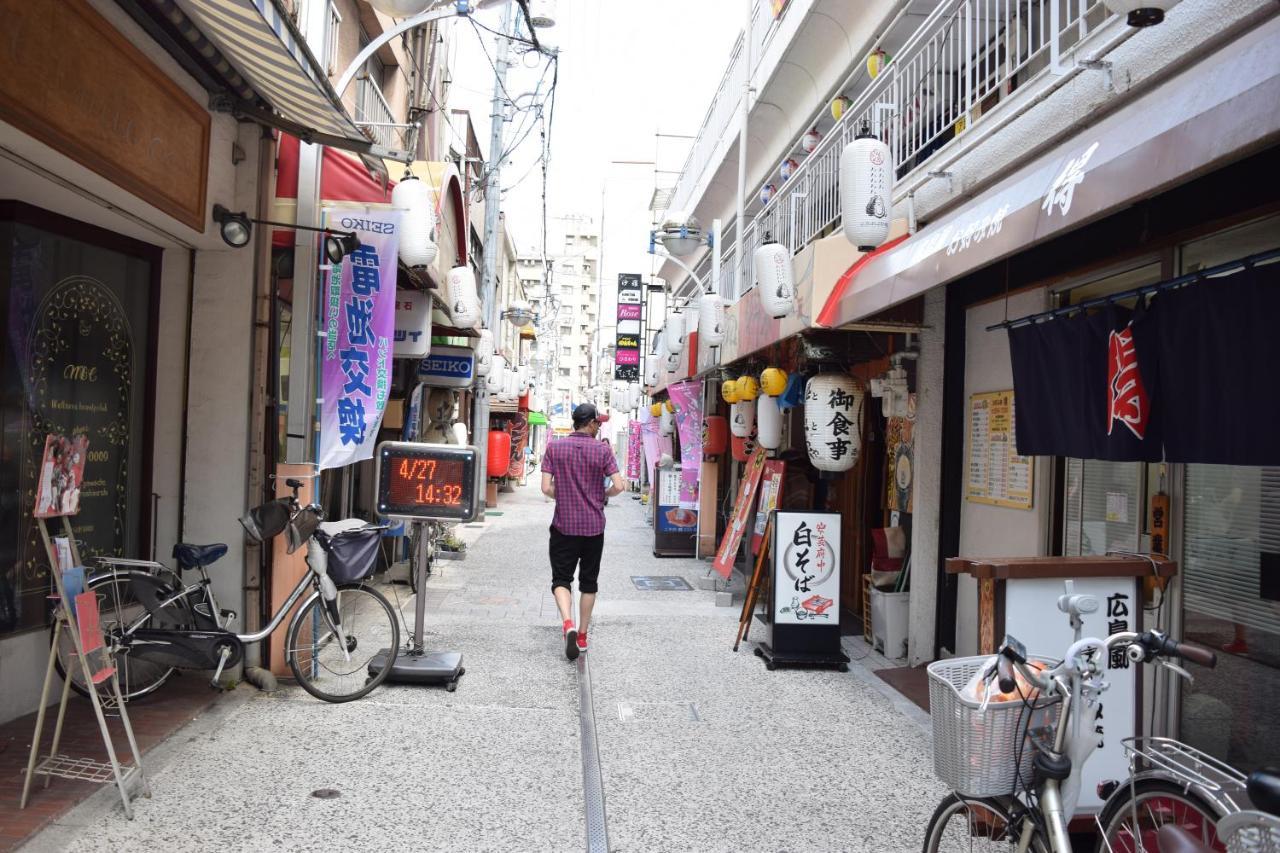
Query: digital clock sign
426, 481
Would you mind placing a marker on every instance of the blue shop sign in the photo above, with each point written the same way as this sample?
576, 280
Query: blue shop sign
448, 367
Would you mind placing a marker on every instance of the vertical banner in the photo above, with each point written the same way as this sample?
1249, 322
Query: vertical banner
626, 359
634, 453
687, 397
770, 497
651, 441
356, 349
728, 550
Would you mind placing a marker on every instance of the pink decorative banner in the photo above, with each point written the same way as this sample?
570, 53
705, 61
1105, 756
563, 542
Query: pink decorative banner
634, 451
356, 350
687, 397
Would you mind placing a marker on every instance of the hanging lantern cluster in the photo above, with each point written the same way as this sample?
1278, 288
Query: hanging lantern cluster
838, 106
748, 388
766, 193
673, 331
773, 381
768, 422
833, 421
711, 319
788, 168
810, 140
729, 391
464, 301
866, 183
484, 353
774, 276
413, 197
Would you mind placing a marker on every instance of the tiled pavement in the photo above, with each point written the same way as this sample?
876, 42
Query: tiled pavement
700, 748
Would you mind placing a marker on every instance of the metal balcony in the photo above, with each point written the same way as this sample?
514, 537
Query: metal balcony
374, 116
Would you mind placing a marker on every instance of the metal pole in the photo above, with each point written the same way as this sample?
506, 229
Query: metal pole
492, 202
744, 112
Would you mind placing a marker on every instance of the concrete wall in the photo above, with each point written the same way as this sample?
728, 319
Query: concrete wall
992, 531
927, 468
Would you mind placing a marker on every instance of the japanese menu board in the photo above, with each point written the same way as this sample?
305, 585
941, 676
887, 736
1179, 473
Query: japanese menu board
996, 475
806, 568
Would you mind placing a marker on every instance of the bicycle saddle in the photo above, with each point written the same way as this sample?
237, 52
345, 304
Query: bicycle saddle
1264, 790
1172, 838
193, 556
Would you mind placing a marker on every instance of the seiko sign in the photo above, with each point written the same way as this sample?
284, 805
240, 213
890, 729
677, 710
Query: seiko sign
448, 367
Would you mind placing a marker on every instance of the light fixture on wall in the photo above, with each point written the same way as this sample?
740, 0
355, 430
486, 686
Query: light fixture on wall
237, 229
1141, 13
680, 234
519, 313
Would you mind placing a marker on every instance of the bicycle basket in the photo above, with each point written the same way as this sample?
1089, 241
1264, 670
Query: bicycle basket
981, 752
351, 555
1250, 832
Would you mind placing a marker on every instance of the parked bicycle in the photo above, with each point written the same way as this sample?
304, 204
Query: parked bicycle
1015, 760
156, 622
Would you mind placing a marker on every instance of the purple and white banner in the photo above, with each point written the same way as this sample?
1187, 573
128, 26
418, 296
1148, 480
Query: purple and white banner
687, 397
359, 325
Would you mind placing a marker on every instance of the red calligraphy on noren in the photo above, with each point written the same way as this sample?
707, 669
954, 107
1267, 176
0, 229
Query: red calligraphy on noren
1128, 397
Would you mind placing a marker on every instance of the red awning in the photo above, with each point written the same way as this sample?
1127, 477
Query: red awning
343, 177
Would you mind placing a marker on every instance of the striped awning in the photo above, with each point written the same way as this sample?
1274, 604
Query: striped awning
257, 38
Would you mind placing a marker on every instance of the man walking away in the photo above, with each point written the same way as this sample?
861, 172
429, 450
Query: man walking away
574, 471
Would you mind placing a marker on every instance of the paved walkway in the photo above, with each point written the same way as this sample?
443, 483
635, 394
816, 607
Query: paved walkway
700, 748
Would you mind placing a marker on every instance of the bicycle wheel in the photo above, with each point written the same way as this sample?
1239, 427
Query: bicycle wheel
118, 606
974, 824
316, 654
1157, 802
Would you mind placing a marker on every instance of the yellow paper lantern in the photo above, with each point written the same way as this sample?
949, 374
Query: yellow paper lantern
838, 106
876, 62
748, 388
671, 407
729, 391
773, 381
656, 410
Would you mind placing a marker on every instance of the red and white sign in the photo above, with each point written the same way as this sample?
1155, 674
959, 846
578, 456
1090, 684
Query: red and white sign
770, 497
806, 568
728, 550
1127, 397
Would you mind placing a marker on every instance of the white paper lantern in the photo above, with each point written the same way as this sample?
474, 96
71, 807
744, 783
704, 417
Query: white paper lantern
511, 388
711, 319
833, 421
691, 317
637, 394
460, 433
526, 379
768, 422
673, 330
673, 362
810, 140
464, 302
866, 185
495, 378
413, 196
742, 418
652, 366
777, 285
667, 422
484, 353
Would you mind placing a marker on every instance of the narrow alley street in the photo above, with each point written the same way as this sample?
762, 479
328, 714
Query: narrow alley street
699, 748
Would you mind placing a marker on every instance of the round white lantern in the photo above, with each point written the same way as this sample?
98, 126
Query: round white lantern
742, 418
464, 302
777, 285
768, 422
833, 421
673, 331
652, 366
637, 394
526, 379
810, 140
673, 362
766, 193
1141, 13
400, 8
495, 378
511, 388
484, 353
460, 433
667, 422
414, 198
866, 184
711, 319
788, 168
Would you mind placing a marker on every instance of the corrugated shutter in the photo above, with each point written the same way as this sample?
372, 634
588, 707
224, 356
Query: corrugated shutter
1103, 507
1232, 551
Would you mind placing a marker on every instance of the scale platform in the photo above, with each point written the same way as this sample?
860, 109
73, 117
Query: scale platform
421, 668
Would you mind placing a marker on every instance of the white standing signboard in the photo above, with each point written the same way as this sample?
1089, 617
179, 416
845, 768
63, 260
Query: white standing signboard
1031, 615
806, 568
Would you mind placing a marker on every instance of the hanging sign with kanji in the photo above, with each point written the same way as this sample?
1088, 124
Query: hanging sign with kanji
358, 336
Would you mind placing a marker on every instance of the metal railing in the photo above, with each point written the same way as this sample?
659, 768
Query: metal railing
965, 58
724, 105
373, 113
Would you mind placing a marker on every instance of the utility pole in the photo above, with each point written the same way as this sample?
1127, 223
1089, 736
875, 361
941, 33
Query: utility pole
492, 202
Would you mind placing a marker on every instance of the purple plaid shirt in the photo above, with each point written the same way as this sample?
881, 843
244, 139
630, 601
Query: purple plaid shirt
579, 465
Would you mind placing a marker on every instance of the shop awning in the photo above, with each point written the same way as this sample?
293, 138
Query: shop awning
537, 419
1220, 109
258, 39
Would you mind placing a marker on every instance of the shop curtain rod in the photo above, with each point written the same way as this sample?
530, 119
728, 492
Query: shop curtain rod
1230, 266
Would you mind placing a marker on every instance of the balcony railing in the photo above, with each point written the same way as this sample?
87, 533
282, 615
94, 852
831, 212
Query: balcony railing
373, 113
964, 59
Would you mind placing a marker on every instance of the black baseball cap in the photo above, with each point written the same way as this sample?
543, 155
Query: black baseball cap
584, 413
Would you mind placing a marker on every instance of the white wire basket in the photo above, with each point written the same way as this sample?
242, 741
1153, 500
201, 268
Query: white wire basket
981, 752
1250, 832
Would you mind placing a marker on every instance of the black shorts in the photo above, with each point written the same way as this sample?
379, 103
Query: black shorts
580, 553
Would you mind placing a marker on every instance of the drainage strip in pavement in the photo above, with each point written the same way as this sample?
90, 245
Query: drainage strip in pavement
592, 784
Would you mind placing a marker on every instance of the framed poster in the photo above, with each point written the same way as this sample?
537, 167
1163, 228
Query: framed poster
806, 568
61, 475
996, 474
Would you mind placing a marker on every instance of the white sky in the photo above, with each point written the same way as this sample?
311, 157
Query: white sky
628, 70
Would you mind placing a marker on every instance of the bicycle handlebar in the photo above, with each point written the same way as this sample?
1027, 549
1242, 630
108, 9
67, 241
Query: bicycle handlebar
1156, 644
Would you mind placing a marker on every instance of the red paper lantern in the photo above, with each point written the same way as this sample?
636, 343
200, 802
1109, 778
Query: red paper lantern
743, 448
715, 435
499, 453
